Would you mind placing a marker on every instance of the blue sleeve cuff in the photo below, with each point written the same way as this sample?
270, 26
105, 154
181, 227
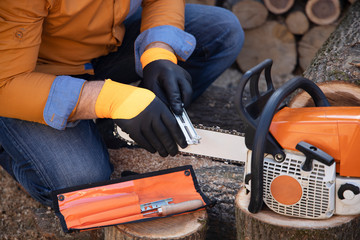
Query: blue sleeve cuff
182, 42
63, 97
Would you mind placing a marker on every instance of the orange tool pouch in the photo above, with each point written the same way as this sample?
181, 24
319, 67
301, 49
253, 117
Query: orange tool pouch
125, 200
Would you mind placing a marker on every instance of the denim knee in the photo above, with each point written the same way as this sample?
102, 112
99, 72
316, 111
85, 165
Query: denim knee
40, 186
233, 35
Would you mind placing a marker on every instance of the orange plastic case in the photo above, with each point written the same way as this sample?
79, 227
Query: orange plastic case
118, 201
335, 130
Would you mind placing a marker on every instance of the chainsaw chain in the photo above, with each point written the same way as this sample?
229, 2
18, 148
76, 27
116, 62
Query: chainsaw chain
196, 126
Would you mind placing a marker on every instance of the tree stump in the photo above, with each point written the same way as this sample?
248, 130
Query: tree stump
183, 227
272, 226
250, 13
336, 66
271, 40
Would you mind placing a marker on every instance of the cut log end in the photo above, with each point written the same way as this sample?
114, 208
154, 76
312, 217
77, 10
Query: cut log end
323, 12
272, 226
183, 227
271, 40
297, 22
250, 13
337, 92
279, 6
311, 42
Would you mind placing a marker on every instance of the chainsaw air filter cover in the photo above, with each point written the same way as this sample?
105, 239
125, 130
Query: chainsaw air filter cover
291, 191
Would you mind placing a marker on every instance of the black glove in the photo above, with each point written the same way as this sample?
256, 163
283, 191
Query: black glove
155, 129
170, 82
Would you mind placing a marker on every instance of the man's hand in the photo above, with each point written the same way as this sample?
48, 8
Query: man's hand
141, 114
155, 129
170, 82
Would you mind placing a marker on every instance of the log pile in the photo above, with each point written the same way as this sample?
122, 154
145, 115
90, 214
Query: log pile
288, 31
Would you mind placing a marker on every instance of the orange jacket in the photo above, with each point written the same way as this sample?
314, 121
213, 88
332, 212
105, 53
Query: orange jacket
44, 38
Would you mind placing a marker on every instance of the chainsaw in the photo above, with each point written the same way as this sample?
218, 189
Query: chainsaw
300, 162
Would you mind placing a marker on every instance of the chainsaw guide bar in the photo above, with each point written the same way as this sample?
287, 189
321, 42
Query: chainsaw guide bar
215, 144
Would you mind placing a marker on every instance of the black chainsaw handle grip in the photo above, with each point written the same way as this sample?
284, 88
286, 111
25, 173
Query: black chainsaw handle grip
250, 112
258, 151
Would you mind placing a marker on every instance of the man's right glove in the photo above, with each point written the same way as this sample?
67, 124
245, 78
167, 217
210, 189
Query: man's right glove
142, 115
170, 82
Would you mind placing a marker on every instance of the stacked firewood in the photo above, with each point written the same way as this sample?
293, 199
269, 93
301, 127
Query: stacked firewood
288, 31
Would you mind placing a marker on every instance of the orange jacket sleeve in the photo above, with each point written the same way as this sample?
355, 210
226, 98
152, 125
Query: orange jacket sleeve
164, 21
163, 12
23, 93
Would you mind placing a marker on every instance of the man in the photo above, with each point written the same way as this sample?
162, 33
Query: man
51, 49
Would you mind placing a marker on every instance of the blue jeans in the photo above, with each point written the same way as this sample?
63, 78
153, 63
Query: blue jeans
43, 159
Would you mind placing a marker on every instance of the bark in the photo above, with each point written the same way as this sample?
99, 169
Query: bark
337, 59
311, 42
335, 67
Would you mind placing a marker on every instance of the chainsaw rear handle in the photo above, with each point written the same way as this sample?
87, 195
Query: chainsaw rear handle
250, 112
258, 150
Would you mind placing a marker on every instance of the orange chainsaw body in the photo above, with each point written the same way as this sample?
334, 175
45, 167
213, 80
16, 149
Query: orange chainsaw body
335, 130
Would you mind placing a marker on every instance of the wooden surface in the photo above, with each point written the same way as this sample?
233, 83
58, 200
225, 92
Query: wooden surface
338, 93
187, 226
339, 57
272, 226
271, 40
323, 12
250, 13
279, 6
297, 22
311, 42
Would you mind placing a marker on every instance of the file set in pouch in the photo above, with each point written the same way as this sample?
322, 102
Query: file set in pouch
135, 198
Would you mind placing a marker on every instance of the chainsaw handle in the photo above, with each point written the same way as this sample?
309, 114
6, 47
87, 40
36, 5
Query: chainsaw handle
250, 112
258, 151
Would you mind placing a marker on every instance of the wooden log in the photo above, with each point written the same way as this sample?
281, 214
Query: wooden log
183, 227
296, 21
338, 93
311, 42
278, 6
250, 13
338, 59
323, 12
271, 40
272, 226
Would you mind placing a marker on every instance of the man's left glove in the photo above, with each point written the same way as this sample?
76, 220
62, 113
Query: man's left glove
170, 82
142, 115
